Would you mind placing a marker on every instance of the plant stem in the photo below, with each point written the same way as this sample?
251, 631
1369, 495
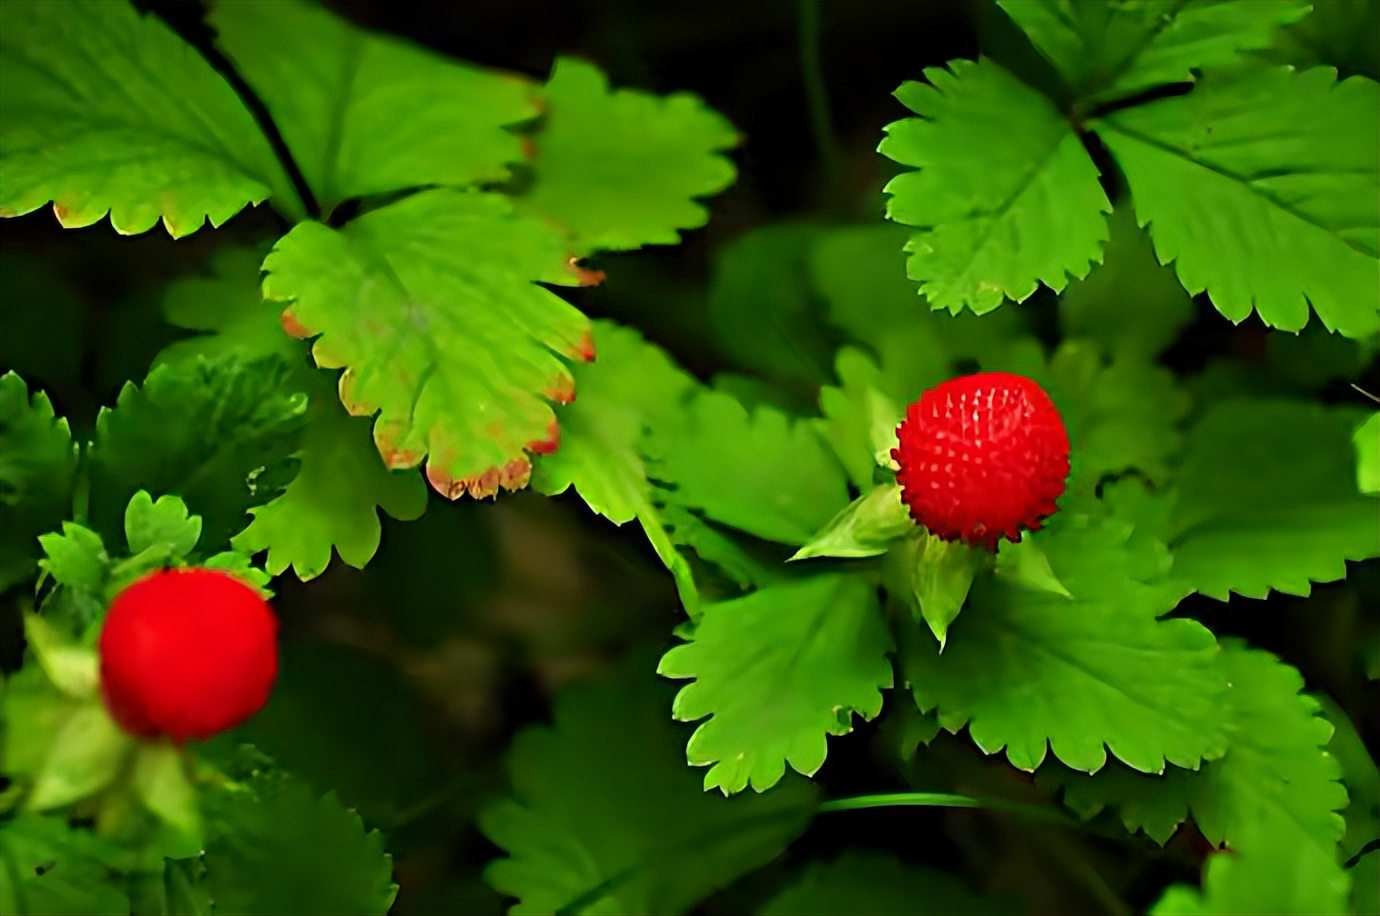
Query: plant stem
946, 800
817, 103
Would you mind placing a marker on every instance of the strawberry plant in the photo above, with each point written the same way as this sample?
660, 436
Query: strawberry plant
412, 501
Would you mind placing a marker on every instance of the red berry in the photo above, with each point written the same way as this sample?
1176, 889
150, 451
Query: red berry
187, 653
982, 456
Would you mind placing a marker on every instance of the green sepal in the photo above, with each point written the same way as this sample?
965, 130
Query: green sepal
72, 669
1024, 563
867, 527
934, 575
1367, 441
87, 755
162, 784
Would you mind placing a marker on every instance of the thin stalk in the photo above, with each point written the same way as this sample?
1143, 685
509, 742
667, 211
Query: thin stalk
947, 800
817, 103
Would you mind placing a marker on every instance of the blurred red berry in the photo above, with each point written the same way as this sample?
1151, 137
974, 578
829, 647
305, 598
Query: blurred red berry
981, 457
187, 653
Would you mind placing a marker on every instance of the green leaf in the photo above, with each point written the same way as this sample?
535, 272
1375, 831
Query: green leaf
239, 564
762, 472
856, 415
1005, 197
432, 307
86, 755
1028, 670
70, 666
1367, 441
1267, 500
1276, 767
333, 501
1271, 871
78, 563
1116, 49
1360, 777
1262, 188
365, 113
38, 467
163, 526
220, 434
867, 527
875, 884
605, 817
764, 313
32, 714
54, 869
622, 169
777, 671
106, 110
1024, 563
1132, 305
1339, 33
283, 849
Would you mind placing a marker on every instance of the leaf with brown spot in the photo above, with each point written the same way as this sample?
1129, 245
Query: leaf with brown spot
433, 308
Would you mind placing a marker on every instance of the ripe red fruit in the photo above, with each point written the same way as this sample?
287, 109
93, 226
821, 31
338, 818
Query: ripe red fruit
187, 653
982, 456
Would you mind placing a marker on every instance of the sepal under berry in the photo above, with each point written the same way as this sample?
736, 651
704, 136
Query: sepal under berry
866, 527
933, 576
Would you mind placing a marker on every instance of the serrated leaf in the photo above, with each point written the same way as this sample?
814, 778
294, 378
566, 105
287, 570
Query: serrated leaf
876, 884
1116, 49
776, 672
632, 385
1360, 777
77, 561
219, 433
107, 110
1031, 671
342, 483
1132, 305
619, 169
283, 849
1338, 33
38, 467
1268, 500
763, 472
1273, 870
163, 526
1005, 197
605, 814
432, 307
54, 869
1262, 188
1276, 766
366, 113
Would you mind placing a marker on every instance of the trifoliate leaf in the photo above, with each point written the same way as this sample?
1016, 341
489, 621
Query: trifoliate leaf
866, 527
1272, 870
431, 305
763, 311
605, 814
876, 884
1268, 500
1005, 197
777, 671
1276, 764
283, 849
619, 169
1130, 304
1367, 440
54, 869
1028, 670
365, 113
1265, 218
161, 527
762, 472
38, 467
218, 433
333, 501
106, 110
632, 385
1105, 49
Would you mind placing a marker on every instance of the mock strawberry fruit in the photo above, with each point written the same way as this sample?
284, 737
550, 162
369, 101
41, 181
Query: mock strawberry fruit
187, 653
981, 457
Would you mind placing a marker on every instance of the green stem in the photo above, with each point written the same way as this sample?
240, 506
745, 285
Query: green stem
946, 800
817, 102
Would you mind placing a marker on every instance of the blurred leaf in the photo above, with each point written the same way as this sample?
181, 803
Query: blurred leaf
87, 754
38, 466
1265, 221
108, 111
1359, 775
365, 113
605, 817
776, 672
1367, 440
432, 307
1338, 33
876, 884
53, 869
1106, 50
619, 169
1005, 197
